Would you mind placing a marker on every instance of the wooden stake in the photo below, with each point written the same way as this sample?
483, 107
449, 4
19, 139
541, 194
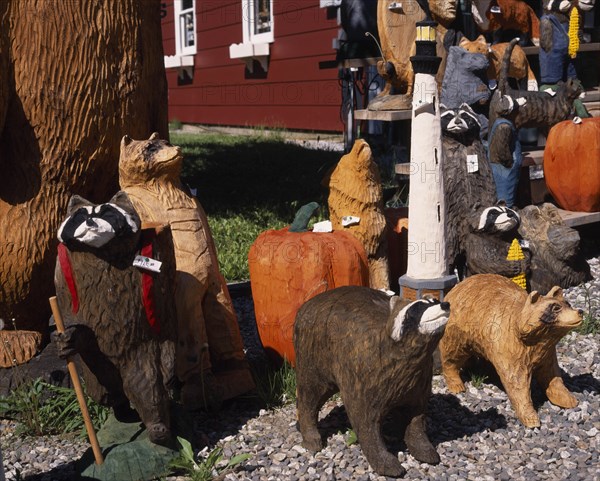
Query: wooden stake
60, 327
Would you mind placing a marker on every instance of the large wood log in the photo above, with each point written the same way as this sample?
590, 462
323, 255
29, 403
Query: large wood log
74, 76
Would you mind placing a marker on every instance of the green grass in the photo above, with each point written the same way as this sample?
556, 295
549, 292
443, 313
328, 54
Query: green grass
275, 387
249, 184
41, 408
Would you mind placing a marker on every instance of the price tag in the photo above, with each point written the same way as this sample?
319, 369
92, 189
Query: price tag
472, 163
349, 220
147, 263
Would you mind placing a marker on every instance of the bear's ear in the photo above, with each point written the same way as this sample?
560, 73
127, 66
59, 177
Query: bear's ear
76, 202
154, 136
121, 200
556, 293
125, 141
534, 296
463, 41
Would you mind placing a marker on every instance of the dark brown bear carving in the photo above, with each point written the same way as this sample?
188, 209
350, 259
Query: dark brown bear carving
119, 318
375, 350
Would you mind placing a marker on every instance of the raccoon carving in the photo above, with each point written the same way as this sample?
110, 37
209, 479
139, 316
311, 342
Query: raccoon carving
492, 233
126, 346
209, 352
465, 186
517, 332
376, 351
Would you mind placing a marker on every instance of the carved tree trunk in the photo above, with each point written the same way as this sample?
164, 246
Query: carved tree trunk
74, 77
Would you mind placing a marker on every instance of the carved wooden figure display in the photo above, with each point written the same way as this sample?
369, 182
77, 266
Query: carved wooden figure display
355, 192
119, 318
376, 351
517, 332
63, 108
397, 34
556, 257
209, 336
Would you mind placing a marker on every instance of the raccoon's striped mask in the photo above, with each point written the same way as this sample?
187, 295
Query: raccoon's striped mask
498, 218
96, 225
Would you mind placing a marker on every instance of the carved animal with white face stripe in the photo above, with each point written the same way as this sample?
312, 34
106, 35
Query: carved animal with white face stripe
376, 351
493, 230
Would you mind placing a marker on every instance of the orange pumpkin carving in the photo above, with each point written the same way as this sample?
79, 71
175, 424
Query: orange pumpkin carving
288, 268
572, 164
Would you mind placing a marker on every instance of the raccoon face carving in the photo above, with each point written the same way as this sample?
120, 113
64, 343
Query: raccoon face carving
498, 219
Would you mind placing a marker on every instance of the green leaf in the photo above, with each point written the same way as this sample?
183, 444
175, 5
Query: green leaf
351, 438
186, 449
240, 458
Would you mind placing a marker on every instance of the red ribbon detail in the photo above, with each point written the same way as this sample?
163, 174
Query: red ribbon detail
148, 236
65, 265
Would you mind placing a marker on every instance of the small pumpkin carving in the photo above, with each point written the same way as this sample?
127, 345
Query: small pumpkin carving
288, 268
572, 164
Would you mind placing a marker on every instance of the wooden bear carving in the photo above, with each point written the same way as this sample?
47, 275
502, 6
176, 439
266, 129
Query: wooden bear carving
355, 190
376, 351
120, 319
210, 357
517, 332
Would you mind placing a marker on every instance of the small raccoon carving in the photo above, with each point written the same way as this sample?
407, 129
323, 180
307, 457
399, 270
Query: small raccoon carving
376, 351
209, 336
517, 332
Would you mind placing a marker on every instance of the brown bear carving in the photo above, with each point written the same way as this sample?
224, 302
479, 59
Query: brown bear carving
73, 76
376, 351
120, 319
210, 357
556, 257
495, 319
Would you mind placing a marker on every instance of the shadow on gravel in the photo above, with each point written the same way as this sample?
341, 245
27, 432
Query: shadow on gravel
448, 420
582, 383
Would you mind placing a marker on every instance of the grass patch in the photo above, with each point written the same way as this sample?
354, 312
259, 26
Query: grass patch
249, 184
275, 387
41, 409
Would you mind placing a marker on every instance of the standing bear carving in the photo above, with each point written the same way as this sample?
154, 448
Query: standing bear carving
376, 351
517, 332
210, 357
73, 76
119, 319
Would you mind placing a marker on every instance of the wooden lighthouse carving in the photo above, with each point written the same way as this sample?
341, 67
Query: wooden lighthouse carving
426, 267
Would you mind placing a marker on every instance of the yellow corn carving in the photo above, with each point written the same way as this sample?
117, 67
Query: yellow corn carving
574, 32
515, 253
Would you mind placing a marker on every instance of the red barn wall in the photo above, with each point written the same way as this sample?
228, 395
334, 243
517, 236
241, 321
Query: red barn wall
294, 93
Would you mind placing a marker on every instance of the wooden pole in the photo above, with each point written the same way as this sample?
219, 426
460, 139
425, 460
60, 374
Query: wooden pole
60, 327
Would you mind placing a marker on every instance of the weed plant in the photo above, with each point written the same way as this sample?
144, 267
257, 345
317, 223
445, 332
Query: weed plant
42, 409
275, 387
203, 469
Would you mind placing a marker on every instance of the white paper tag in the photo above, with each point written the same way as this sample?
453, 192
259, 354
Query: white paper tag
349, 220
524, 244
472, 163
495, 9
147, 263
323, 226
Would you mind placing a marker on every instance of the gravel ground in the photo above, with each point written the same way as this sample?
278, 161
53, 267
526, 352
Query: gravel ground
476, 433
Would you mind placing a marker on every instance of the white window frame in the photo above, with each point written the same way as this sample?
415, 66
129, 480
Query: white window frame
248, 24
180, 48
